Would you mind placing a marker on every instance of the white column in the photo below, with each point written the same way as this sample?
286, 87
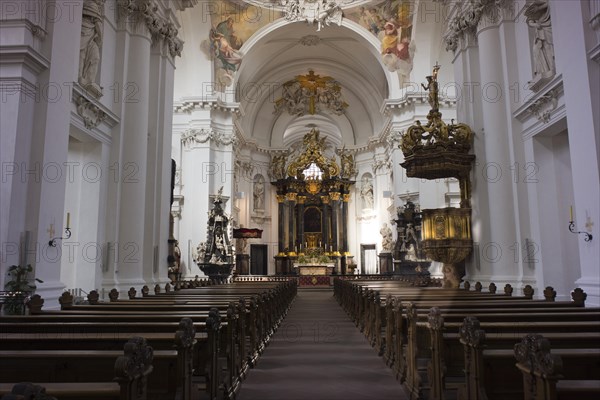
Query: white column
466, 70
45, 203
569, 44
159, 163
134, 146
496, 143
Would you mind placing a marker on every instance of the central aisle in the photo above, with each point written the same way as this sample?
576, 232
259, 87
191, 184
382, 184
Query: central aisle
319, 354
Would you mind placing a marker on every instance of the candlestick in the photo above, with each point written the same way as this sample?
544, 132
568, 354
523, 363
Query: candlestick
68, 220
571, 213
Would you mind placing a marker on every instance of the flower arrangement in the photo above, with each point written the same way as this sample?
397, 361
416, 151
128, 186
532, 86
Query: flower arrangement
314, 259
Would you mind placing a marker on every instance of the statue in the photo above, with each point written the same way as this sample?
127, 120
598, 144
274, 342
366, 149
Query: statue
259, 194
432, 87
348, 167
91, 45
366, 192
277, 170
538, 17
199, 252
386, 242
215, 258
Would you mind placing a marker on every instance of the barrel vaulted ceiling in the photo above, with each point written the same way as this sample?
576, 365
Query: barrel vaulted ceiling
276, 50
279, 56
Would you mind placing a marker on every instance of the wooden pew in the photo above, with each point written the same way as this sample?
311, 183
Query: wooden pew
428, 344
409, 346
235, 342
490, 371
123, 379
50, 338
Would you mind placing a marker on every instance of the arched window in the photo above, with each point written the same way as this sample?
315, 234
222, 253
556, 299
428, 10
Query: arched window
313, 172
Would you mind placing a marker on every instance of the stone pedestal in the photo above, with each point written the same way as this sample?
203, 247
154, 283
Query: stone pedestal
242, 264
280, 265
386, 264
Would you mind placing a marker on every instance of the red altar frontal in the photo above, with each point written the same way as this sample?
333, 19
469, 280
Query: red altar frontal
314, 280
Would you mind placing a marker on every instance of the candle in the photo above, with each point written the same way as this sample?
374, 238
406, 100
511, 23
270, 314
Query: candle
296, 249
68, 220
571, 213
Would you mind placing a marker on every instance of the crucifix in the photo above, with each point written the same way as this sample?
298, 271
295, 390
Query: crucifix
312, 82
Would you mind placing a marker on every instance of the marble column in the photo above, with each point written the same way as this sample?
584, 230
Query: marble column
162, 69
466, 70
325, 222
570, 44
497, 139
334, 197
291, 198
344, 224
43, 174
280, 223
134, 151
300, 219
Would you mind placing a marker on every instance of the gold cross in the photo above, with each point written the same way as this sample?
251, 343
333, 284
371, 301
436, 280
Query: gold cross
312, 82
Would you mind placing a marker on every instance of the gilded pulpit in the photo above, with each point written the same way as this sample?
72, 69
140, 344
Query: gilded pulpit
439, 150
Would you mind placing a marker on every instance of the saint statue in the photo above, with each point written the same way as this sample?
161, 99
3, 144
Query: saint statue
366, 192
538, 17
386, 238
91, 45
259, 194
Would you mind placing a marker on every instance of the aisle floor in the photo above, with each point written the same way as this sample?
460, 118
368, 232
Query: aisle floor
319, 354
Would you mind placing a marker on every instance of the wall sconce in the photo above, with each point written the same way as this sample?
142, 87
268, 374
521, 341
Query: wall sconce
52, 242
588, 236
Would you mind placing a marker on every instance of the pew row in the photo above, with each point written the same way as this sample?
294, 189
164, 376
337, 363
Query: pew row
407, 328
123, 379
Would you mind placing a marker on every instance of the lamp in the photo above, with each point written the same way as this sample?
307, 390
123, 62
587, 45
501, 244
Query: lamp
52, 242
588, 236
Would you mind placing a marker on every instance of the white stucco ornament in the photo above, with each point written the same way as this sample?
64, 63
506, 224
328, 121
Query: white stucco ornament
322, 12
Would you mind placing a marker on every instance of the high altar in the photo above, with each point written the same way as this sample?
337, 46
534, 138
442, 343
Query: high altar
310, 269
313, 194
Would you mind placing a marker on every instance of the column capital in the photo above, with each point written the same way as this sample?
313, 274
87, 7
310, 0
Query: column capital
280, 198
334, 196
291, 196
346, 197
325, 199
142, 17
475, 17
493, 13
301, 199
